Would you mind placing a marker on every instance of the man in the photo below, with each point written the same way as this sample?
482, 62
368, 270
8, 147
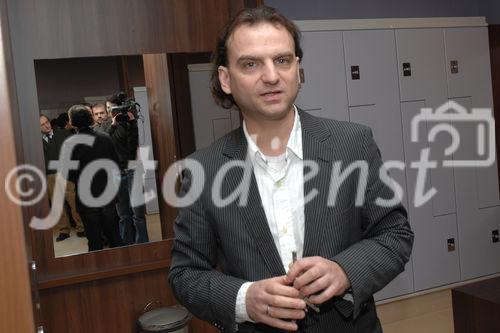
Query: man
125, 136
102, 121
53, 140
101, 220
63, 121
346, 252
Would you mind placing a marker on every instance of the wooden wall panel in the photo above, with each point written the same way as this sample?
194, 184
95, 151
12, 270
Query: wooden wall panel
75, 28
108, 306
162, 127
15, 305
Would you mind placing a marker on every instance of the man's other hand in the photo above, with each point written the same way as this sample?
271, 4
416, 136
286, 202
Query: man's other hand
275, 303
318, 278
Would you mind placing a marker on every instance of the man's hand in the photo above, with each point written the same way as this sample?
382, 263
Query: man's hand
275, 303
318, 278
130, 116
113, 120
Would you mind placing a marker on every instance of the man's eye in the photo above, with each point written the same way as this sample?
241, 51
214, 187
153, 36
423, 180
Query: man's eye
283, 61
250, 64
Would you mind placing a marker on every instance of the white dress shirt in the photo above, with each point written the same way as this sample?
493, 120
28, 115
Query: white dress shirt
281, 188
48, 136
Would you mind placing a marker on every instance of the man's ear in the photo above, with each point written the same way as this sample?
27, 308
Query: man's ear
224, 79
298, 70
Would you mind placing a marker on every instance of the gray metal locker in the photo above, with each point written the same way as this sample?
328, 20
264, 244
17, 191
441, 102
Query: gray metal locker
435, 250
323, 93
422, 78
470, 49
373, 96
477, 197
479, 254
210, 121
372, 87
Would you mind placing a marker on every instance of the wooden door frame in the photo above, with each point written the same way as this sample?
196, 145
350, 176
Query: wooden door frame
16, 303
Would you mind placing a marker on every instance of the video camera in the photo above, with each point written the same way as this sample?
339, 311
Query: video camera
123, 105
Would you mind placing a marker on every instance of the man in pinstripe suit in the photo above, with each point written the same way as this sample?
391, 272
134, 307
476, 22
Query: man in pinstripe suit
347, 251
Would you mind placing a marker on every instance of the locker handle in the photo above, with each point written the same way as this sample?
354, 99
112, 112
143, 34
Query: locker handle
454, 66
406, 69
355, 72
451, 244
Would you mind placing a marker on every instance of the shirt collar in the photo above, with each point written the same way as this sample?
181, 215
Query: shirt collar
294, 144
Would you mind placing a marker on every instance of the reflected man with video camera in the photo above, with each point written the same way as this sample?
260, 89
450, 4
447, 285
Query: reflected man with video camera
125, 136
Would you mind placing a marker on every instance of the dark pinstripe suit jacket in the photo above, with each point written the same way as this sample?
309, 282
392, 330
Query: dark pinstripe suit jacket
371, 243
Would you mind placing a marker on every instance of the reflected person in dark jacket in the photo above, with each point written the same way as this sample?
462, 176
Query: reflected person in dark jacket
100, 218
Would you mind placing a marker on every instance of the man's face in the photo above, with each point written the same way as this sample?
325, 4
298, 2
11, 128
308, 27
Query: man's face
109, 105
100, 114
45, 126
262, 72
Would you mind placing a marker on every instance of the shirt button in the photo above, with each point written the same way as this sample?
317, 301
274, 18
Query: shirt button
279, 183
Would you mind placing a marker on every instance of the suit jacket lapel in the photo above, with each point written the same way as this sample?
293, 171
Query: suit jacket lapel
253, 213
314, 135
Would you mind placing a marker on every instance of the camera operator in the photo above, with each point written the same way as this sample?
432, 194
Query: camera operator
125, 136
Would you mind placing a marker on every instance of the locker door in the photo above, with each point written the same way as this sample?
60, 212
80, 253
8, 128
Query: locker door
467, 51
479, 253
422, 78
477, 197
472, 78
210, 121
323, 93
372, 87
434, 262
373, 99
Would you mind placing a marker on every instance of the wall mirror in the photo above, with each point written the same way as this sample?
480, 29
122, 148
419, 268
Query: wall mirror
62, 83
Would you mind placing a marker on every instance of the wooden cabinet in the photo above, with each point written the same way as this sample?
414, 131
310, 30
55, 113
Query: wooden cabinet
476, 307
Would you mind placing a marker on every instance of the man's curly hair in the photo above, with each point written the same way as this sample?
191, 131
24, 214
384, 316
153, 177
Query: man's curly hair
248, 16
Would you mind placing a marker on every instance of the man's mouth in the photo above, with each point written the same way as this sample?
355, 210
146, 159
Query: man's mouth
269, 95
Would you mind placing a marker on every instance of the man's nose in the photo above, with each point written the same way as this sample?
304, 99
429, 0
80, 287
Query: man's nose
270, 74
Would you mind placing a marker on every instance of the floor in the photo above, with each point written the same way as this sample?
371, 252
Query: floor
76, 245
430, 313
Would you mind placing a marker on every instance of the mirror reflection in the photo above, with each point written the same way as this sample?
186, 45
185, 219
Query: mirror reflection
105, 98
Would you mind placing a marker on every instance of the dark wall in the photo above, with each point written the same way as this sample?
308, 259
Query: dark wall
63, 82
347, 9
